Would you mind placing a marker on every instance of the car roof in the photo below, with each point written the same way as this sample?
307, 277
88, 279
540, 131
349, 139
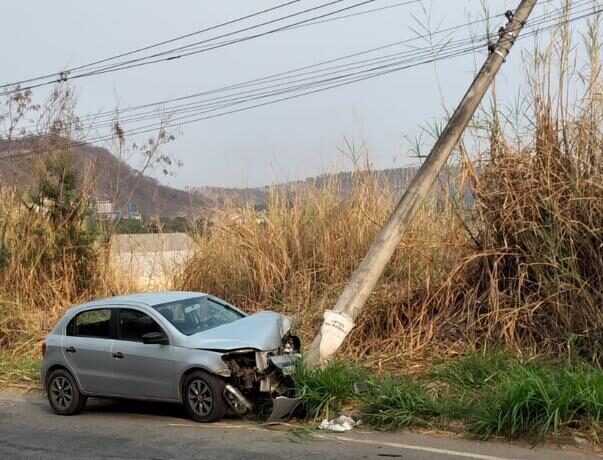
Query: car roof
145, 298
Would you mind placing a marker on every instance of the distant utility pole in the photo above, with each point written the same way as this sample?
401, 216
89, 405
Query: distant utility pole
339, 321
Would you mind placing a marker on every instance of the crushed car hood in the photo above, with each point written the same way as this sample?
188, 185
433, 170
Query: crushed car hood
262, 331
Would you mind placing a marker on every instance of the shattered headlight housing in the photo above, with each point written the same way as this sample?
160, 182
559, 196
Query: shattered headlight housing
286, 363
284, 323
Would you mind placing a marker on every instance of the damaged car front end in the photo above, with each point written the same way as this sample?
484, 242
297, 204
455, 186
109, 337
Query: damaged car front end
260, 354
254, 355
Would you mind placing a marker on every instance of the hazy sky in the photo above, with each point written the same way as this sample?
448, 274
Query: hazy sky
285, 141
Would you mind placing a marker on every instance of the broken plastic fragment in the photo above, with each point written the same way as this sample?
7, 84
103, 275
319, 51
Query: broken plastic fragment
283, 408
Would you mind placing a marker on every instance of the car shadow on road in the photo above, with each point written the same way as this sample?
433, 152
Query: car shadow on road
107, 407
116, 406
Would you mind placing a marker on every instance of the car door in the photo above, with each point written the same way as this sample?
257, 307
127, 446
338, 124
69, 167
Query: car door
141, 370
87, 349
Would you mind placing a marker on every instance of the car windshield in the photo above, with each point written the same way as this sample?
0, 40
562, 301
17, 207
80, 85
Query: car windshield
199, 314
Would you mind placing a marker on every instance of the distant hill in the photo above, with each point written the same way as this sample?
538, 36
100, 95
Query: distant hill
113, 178
395, 178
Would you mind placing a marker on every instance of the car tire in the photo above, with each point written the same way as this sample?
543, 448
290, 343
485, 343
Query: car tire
63, 393
203, 397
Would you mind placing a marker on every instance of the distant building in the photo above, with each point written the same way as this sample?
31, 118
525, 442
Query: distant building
104, 207
105, 210
133, 212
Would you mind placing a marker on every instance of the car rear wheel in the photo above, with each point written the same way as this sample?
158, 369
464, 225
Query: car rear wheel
63, 393
203, 398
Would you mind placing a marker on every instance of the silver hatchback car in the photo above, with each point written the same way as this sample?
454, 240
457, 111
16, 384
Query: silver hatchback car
184, 347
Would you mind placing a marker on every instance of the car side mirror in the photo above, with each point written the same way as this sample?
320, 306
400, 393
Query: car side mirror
155, 338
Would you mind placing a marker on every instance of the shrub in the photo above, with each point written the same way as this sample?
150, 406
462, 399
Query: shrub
534, 401
326, 391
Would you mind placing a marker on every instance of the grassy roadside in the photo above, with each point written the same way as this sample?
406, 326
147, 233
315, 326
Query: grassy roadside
493, 395
482, 395
21, 373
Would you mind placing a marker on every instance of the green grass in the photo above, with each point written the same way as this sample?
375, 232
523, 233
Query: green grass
398, 403
326, 391
475, 371
486, 395
534, 401
19, 372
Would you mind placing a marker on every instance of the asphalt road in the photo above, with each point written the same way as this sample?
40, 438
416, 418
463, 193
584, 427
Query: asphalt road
126, 430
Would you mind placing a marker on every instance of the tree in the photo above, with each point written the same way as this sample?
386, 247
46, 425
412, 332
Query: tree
131, 226
60, 197
177, 225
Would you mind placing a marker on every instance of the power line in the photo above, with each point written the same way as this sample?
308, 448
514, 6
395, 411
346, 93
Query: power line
218, 103
283, 75
313, 22
238, 101
168, 55
360, 13
155, 45
326, 85
293, 82
154, 127
361, 78
159, 56
212, 101
333, 72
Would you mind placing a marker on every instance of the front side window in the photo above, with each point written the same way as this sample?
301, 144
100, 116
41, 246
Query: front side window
91, 323
199, 314
133, 324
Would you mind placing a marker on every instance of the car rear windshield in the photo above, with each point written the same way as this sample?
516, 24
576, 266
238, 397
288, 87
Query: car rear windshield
198, 314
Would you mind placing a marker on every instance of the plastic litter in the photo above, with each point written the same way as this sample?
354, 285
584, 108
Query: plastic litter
339, 424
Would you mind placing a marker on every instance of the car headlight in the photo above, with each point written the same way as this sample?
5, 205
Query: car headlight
224, 372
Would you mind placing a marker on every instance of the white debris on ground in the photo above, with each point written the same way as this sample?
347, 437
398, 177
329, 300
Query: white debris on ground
339, 424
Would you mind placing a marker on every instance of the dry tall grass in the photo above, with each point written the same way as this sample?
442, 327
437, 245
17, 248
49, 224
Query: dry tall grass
297, 257
51, 256
521, 268
46, 267
536, 277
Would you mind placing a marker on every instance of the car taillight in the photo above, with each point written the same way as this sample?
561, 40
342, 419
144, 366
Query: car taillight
43, 348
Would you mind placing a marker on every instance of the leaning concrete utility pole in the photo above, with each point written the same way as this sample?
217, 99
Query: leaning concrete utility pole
339, 321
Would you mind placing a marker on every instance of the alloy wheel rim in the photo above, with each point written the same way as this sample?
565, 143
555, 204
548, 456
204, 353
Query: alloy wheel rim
200, 397
61, 392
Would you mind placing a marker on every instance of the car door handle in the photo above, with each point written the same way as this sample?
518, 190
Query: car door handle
118, 355
70, 349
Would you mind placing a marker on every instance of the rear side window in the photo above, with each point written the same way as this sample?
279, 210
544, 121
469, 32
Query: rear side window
133, 324
91, 323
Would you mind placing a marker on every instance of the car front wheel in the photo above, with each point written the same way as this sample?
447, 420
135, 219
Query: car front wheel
63, 393
203, 397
